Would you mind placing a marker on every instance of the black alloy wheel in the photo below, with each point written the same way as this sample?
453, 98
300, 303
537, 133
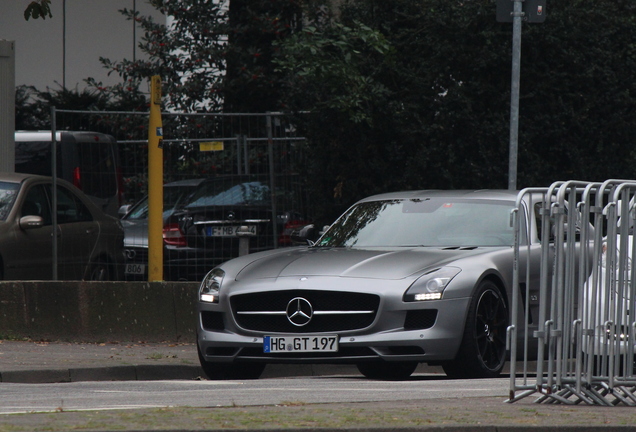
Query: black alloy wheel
482, 353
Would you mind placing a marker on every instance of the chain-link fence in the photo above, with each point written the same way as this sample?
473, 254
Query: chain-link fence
222, 172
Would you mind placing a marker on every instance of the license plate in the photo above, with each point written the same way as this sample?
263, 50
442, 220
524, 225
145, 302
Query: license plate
228, 230
299, 343
135, 269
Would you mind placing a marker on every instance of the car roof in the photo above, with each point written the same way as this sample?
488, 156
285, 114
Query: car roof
63, 135
22, 177
19, 177
481, 194
186, 182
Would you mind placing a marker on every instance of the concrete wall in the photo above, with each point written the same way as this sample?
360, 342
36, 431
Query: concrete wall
98, 311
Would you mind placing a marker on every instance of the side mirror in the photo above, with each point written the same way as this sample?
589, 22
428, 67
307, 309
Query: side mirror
30, 222
305, 235
123, 210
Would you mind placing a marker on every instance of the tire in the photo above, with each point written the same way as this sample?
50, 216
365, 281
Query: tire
228, 371
100, 271
390, 371
482, 353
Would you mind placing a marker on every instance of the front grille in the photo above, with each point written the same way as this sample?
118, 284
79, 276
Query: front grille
420, 319
333, 311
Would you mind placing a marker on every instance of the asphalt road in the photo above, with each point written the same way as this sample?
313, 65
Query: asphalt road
346, 402
105, 395
157, 387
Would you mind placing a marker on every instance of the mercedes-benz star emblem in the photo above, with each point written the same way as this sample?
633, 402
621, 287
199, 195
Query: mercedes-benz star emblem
130, 253
299, 311
231, 215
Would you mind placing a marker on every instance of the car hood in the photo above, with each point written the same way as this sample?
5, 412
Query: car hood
356, 263
135, 233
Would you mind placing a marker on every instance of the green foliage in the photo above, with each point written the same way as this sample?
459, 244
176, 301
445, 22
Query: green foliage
251, 83
38, 9
403, 94
334, 67
436, 114
29, 115
33, 107
578, 93
216, 55
188, 58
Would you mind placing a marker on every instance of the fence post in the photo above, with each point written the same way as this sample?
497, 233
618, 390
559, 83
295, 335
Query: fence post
54, 245
272, 177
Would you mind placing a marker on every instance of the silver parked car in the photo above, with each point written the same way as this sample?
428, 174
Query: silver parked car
135, 223
399, 279
89, 242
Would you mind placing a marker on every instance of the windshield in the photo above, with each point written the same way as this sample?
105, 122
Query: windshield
172, 197
224, 193
8, 192
423, 222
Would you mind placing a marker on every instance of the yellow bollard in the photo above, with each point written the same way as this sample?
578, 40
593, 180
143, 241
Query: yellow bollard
155, 184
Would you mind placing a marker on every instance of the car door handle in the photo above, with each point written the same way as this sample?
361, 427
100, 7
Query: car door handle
90, 230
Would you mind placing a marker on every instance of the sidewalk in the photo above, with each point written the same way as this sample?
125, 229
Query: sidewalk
45, 362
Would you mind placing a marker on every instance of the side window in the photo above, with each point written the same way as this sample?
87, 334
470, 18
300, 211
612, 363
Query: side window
98, 170
70, 208
37, 204
537, 217
33, 157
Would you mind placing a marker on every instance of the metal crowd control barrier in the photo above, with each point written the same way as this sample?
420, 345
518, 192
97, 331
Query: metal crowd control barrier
584, 335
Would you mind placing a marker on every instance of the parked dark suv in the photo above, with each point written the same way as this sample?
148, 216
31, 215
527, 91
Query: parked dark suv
88, 160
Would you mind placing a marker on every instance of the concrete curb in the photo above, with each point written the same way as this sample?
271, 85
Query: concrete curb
112, 373
158, 372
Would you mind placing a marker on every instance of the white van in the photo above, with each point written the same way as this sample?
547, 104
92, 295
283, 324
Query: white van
89, 160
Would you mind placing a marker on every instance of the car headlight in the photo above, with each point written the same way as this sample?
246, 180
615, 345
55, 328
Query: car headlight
211, 285
431, 285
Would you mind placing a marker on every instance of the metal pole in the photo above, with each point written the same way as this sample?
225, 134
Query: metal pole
64, 44
239, 150
514, 94
272, 186
134, 23
54, 195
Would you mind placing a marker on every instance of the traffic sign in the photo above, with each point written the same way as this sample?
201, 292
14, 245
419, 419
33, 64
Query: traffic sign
533, 10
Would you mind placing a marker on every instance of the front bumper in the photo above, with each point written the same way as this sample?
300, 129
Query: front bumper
220, 341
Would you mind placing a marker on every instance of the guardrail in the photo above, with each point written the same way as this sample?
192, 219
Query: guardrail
586, 304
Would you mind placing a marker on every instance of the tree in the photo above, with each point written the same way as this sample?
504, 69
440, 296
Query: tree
251, 82
333, 76
33, 107
442, 118
215, 55
38, 9
578, 93
408, 93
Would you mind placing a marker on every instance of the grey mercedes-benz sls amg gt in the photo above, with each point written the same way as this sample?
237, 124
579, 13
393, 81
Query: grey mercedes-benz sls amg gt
399, 279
